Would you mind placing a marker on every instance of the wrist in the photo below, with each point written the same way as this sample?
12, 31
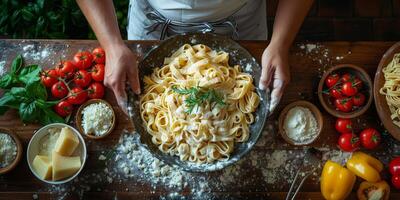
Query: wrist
114, 45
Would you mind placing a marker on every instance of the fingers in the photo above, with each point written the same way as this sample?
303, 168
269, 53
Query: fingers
276, 94
133, 78
118, 87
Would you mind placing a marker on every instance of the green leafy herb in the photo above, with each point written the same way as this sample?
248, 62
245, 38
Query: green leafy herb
199, 95
25, 93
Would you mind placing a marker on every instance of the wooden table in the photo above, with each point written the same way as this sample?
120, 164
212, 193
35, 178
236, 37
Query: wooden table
307, 62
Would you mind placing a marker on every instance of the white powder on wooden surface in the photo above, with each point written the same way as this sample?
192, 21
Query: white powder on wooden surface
2, 68
8, 150
36, 53
300, 124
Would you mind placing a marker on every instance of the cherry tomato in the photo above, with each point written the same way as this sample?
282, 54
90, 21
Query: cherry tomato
95, 90
349, 142
335, 93
59, 90
77, 96
331, 80
358, 83
82, 78
396, 181
49, 77
99, 55
370, 138
349, 89
98, 72
358, 99
65, 69
344, 125
64, 108
83, 60
344, 104
347, 77
394, 166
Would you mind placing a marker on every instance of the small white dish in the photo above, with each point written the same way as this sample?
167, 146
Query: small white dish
34, 145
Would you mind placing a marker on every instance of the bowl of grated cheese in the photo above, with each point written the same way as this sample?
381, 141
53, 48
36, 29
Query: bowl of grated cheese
95, 119
10, 150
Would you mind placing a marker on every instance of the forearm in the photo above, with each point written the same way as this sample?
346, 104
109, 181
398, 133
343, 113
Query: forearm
289, 17
101, 17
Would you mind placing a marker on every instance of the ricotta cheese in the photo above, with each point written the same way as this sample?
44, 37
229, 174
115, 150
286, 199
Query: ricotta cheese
8, 150
97, 119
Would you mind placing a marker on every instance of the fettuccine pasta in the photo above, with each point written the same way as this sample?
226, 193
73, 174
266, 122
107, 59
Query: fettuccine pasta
391, 88
196, 106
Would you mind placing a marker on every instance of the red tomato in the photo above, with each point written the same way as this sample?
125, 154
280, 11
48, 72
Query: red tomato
349, 89
83, 60
396, 181
358, 83
99, 55
65, 69
370, 138
64, 108
394, 166
98, 72
335, 93
344, 104
82, 78
59, 90
96, 90
358, 99
331, 80
347, 77
349, 142
77, 96
49, 77
344, 125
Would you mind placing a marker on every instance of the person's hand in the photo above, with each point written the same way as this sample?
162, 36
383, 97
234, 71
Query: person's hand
121, 66
275, 73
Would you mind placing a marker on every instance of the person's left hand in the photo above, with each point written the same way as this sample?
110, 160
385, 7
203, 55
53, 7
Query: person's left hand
275, 73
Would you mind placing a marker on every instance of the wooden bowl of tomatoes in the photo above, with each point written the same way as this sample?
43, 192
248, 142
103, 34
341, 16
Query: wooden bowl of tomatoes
345, 91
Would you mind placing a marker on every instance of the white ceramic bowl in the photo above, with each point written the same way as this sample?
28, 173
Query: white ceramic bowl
33, 150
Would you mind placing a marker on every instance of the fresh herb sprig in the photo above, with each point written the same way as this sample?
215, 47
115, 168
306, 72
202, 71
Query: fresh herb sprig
198, 96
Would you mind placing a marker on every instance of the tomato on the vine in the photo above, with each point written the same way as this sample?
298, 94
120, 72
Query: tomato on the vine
358, 99
65, 69
344, 104
98, 72
358, 83
49, 77
396, 181
99, 55
370, 138
331, 80
59, 90
349, 142
83, 60
347, 77
63, 108
335, 93
77, 96
349, 89
82, 78
96, 90
394, 166
344, 125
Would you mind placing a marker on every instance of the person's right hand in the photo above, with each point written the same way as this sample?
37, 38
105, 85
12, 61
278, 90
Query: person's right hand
121, 66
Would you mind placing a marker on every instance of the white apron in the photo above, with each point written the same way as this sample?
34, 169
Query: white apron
154, 19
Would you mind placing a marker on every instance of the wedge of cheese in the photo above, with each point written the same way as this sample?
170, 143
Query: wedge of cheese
43, 167
64, 166
66, 142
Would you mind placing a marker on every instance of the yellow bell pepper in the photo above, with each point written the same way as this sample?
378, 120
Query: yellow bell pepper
365, 166
373, 191
336, 181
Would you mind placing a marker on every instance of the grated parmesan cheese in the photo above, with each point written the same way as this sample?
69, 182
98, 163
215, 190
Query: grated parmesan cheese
8, 150
97, 119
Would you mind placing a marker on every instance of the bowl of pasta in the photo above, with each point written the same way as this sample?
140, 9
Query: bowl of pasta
199, 108
387, 90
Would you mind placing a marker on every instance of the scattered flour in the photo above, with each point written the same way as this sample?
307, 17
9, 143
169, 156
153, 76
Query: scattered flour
2, 68
31, 51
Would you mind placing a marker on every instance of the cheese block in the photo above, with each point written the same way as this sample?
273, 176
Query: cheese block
64, 166
42, 166
66, 142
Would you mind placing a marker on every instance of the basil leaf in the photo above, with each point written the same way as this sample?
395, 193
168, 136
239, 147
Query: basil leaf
36, 90
16, 64
18, 92
9, 100
3, 109
29, 112
49, 116
6, 81
30, 74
